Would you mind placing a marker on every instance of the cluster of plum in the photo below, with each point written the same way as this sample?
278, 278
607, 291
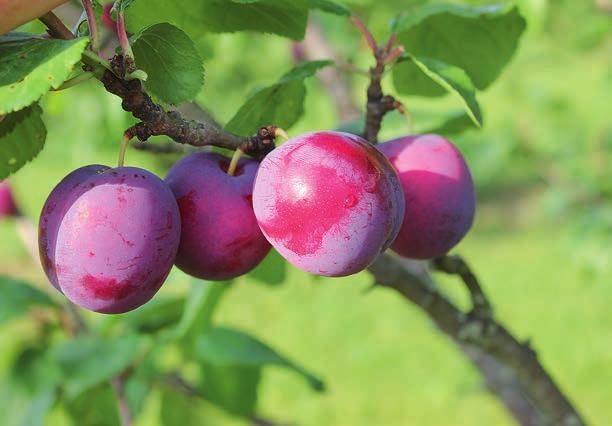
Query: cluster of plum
329, 202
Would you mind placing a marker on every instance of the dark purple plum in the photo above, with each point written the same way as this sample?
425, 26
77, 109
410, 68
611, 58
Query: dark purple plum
220, 237
439, 192
8, 207
108, 237
329, 202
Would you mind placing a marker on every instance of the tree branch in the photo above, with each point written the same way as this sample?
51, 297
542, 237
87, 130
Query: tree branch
457, 266
488, 336
378, 104
156, 121
56, 27
511, 369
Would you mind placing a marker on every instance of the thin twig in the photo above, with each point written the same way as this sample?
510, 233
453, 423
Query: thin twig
56, 27
455, 265
394, 54
93, 27
367, 35
125, 414
378, 104
124, 42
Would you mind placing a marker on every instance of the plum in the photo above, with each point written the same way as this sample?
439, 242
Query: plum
53, 212
329, 202
8, 207
220, 237
108, 237
439, 192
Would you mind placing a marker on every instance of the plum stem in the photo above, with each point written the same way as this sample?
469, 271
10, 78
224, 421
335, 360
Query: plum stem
280, 132
123, 148
118, 384
367, 35
124, 42
93, 28
231, 170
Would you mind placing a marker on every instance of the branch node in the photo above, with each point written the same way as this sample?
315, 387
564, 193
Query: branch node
455, 265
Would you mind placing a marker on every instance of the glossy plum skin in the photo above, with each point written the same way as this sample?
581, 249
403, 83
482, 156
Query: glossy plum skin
220, 237
329, 202
8, 207
108, 237
439, 192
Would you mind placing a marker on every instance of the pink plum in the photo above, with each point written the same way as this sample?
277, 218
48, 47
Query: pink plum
329, 202
8, 207
439, 192
108, 237
220, 237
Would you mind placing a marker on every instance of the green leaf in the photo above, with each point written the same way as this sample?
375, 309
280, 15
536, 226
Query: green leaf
281, 104
16, 297
31, 66
178, 409
232, 387
452, 124
480, 40
285, 18
228, 347
172, 62
136, 392
272, 270
454, 80
22, 137
158, 314
200, 306
34, 370
97, 406
329, 6
39, 407
88, 361
121, 5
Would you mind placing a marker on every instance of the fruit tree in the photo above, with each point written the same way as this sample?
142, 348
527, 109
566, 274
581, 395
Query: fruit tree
330, 202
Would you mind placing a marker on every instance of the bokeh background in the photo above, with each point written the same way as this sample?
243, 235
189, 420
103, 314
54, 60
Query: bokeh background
541, 244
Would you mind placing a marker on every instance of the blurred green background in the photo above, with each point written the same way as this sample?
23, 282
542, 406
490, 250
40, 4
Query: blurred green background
541, 244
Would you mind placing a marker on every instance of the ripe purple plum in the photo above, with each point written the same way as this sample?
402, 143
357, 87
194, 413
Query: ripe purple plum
220, 237
53, 212
8, 207
329, 202
108, 237
439, 192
